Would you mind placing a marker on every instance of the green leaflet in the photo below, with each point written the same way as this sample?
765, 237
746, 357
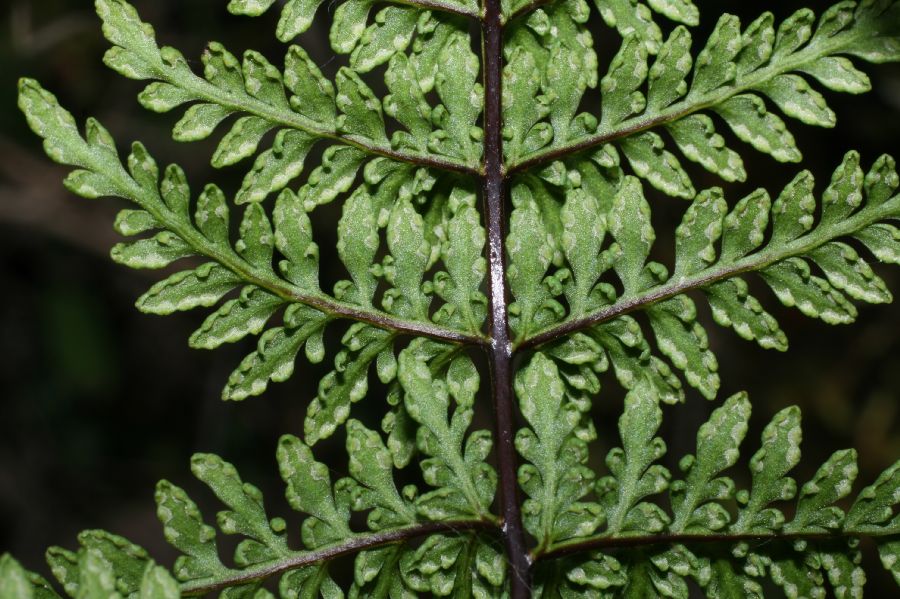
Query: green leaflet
409, 259
462, 98
695, 500
406, 103
660, 168
334, 176
390, 33
633, 361
753, 123
621, 98
732, 306
780, 452
357, 244
377, 574
464, 484
555, 447
632, 18
683, 340
462, 381
582, 239
186, 290
445, 564
360, 110
277, 167
293, 239
697, 139
523, 108
372, 486
313, 93
530, 257
276, 353
349, 24
246, 514
629, 224
185, 529
698, 234
309, 490
832, 482
461, 253
633, 474
347, 383
159, 251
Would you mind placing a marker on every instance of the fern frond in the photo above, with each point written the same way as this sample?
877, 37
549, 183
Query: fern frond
713, 534
729, 77
557, 281
292, 288
106, 563
782, 241
298, 101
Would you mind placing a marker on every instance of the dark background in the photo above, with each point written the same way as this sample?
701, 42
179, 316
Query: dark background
98, 402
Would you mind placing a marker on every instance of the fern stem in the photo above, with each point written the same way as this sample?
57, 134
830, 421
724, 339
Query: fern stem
501, 350
691, 104
754, 262
627, 542
353, 546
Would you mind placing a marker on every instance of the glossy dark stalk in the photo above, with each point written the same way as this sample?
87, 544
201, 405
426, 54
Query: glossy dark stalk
500, 351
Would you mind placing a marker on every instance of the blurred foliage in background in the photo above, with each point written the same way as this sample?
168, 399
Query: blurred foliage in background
98, 401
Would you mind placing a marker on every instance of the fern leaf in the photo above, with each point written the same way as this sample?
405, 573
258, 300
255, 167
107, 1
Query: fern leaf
632, 18
107, 565
461, 252
705, 541
634, 476
248, 264
555, 446
695, 500
347, 383
575, 291
629, 224
372, 485
798, 240
299, 101
444, 564
530, 257
464, 483
298, 15
633, 361
727, 77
